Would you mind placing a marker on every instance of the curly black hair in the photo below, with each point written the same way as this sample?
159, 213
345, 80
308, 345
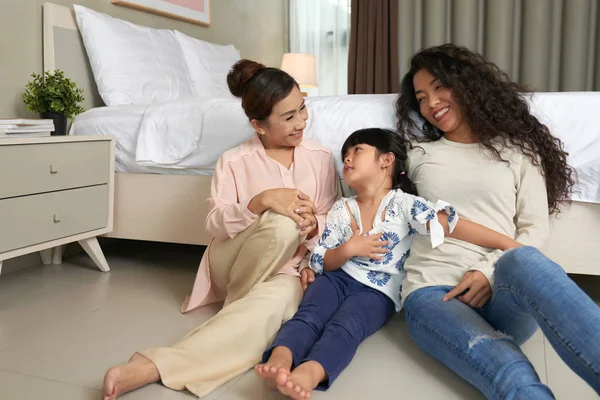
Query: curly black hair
495, 108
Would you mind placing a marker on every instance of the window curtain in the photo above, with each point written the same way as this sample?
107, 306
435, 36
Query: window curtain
550, 45
373, 59
321, 28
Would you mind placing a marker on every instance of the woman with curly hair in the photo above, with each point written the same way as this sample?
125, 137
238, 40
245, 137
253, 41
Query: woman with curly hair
476, 145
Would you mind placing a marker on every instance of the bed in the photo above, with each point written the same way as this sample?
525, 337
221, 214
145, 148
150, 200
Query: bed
164, 167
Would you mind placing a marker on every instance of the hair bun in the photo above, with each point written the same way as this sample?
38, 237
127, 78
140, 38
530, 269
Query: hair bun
240, 73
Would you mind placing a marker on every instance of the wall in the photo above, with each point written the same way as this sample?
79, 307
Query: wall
258, 28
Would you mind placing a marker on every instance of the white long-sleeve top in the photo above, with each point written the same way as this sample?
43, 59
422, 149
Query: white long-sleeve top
507, 197
403, 215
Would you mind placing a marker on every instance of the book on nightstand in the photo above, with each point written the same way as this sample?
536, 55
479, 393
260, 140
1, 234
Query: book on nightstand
19, 127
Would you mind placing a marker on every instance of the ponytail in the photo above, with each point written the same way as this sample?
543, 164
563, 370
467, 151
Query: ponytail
403, 182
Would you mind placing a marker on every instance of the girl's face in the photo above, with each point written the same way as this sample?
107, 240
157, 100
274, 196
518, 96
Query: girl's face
361, 164
285, 126
436, 103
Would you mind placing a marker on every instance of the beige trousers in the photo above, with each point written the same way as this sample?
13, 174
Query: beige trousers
258, 302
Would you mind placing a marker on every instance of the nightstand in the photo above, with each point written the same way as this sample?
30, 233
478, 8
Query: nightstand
54, 191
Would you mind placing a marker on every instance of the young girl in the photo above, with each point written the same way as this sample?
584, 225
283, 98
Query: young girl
360, 264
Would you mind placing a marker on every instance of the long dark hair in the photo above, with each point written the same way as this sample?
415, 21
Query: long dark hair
259, 87
385, 141
495, 108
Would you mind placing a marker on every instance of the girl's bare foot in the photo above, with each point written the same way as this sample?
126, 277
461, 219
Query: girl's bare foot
300, 383
139, 371
280, 362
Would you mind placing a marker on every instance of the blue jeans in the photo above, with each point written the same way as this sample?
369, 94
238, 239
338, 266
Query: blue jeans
482, 345
336, 314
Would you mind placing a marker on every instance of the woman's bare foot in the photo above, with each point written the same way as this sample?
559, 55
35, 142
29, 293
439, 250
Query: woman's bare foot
300, 383
280, 362
139, 371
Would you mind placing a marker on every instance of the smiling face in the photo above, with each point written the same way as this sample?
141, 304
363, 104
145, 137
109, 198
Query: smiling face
436, 103
285, 126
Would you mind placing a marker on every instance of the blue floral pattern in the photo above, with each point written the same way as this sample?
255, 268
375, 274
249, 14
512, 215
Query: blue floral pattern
411, 230
452, 215
418, 208
317, 262
326, 233
378, 278
403, 216
402, 261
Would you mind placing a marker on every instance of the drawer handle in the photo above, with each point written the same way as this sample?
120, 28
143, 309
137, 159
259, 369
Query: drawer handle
55, 218
53, 170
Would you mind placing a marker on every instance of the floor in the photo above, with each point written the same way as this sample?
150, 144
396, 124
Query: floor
62, 326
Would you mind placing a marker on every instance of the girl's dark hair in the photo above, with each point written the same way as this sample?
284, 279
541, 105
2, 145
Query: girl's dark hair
385, 141
494, 107
259, 87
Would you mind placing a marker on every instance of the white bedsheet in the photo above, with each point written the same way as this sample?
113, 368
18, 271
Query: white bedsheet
571, 116
175, 138
188, 136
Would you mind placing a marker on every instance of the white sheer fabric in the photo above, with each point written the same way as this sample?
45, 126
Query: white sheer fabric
322, 28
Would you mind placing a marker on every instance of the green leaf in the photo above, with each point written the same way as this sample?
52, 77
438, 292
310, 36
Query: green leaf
53, 92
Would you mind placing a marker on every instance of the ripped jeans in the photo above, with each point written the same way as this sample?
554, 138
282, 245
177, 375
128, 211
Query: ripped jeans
482, 345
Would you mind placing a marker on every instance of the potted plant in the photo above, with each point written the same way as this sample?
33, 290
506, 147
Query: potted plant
54, 97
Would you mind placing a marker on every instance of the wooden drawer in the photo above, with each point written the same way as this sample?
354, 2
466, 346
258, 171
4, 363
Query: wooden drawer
38, 168
29, 220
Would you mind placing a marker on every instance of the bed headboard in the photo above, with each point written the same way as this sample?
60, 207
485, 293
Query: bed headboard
63, 49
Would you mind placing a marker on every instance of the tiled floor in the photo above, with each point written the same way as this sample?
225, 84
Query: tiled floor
61, 327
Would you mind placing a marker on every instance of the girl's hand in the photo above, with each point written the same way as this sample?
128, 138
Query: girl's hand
307, 276
366, 246
473, 289
308, 226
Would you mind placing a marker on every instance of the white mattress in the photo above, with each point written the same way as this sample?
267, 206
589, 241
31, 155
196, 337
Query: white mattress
188, 136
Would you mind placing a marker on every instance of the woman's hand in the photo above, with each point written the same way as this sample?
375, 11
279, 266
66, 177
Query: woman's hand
473, 289
366, 246
307, 276
283, 202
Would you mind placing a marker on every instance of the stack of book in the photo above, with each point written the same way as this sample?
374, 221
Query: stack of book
10, 128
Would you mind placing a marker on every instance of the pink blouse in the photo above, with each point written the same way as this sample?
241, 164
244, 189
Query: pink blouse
245, 171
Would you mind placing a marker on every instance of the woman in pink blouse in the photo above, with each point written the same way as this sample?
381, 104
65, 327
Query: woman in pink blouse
269, 199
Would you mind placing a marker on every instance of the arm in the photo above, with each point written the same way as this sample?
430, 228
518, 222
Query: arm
330, 241
335, 258
531, 219
328, 194
227, 217
477, 234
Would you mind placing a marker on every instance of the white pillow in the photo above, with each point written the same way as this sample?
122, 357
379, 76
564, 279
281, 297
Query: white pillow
133, 64
209, 65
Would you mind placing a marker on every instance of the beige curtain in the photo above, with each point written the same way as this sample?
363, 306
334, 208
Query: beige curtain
373, 55
552, 45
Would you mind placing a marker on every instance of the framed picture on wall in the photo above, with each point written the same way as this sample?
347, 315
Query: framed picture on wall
194, 11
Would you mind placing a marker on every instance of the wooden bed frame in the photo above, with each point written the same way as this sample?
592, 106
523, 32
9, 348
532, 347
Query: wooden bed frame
173, 208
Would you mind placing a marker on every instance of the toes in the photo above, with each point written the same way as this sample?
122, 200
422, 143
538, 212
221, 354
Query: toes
281, 379
259, 369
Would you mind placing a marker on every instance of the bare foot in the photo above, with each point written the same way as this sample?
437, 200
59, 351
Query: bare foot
280, 362
300, 383
139, 371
